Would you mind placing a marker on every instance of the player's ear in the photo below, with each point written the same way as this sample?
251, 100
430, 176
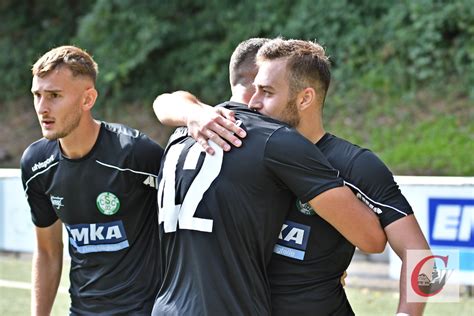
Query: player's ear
90, 95
305, 98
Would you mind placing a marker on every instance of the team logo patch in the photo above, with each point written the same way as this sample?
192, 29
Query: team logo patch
57, 201
108, 203
305, 208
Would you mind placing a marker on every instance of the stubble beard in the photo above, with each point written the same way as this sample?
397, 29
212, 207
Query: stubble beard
71, 122
290, 113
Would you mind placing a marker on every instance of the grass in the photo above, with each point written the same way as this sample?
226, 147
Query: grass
368, 302
17, 302
428, 134
14, 301
364, 301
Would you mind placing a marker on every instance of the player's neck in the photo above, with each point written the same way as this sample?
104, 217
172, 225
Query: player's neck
238, 98
80, 141
311, 127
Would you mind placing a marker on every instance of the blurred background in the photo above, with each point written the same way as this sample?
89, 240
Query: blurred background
402, 85
403, 71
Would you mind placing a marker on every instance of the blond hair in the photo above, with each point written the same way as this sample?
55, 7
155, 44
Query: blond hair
77, 60
307, 63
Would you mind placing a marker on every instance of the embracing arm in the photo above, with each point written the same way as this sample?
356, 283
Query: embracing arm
204, 122
172, 109
401, 227
355, 221
47, 266
405, 234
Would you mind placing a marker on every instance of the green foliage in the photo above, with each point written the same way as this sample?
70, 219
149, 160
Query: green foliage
388, 46
383, 54
147, 47
27, 30
414, 135
169, 45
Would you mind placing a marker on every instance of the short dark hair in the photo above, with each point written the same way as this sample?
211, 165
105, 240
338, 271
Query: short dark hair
77, 60
307, 64
242, 58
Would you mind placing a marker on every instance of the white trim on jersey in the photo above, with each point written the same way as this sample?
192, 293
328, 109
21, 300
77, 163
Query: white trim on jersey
126, 169
34, 176
374, 202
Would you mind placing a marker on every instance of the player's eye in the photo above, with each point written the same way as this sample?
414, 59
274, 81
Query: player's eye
54, 95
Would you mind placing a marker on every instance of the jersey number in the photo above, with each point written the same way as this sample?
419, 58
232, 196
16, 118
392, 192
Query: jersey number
171, 214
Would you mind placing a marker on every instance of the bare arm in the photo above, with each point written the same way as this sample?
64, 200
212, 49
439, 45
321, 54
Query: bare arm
47, 266
406, 234
355, 221
204, 122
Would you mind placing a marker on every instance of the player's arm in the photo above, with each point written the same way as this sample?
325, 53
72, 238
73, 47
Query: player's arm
305, 171
46, 269
204, 122
402, 235
400, 225
355, 221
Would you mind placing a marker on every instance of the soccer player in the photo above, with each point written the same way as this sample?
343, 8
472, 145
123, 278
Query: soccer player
305, 276
99, 180
220, 215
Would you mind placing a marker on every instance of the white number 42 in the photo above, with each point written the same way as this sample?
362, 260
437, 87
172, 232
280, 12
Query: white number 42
170, 213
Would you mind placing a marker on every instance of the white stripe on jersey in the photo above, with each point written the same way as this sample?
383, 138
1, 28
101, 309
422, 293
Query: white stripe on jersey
374, 202
126, 169
28, 181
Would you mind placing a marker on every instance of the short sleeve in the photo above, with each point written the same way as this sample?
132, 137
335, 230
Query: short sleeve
42, 212
371, 176
299, 164
147, 160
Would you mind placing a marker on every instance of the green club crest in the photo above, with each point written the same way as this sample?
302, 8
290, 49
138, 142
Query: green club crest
108, 203
305, 208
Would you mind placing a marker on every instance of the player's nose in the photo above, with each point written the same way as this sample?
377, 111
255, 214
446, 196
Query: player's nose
255, 103
41, 105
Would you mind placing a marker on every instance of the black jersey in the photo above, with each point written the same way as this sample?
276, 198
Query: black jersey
220, 215
310, 255
107, 202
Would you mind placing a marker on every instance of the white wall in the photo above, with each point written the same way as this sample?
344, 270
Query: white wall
16, 228
17, 231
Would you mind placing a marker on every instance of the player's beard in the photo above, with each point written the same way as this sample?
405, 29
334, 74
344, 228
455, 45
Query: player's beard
290, 113
71, 122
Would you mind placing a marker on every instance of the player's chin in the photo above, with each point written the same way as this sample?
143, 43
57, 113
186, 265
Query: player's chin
50, 135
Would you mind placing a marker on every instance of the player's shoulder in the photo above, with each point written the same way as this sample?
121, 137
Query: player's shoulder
354, 161
340, 147
120, 130
251, 119
40, 155
123, 143
127, 136
340, 152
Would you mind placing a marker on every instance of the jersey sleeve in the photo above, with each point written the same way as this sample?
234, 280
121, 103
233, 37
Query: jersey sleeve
42, 212
299, 164
372, 179
147, 160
